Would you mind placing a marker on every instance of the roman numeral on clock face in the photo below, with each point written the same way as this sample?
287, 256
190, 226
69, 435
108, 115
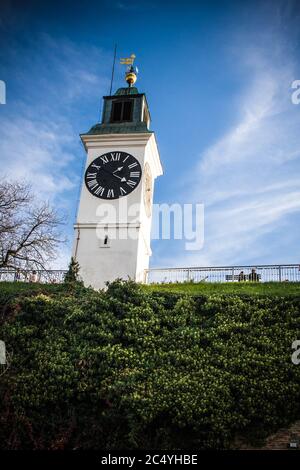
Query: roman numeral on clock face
135, 174
132, 165
99, 191
92, 184
115, 157
132, 184
122, 191
110, 193
91, 175
104, 159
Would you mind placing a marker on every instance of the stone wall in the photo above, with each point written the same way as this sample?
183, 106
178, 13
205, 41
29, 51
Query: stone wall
278, 441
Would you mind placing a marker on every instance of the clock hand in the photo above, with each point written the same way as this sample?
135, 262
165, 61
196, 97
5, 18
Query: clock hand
120, 178
118, 169
112, 174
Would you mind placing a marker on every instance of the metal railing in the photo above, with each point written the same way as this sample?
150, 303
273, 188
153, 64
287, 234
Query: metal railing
51, 276
265, 273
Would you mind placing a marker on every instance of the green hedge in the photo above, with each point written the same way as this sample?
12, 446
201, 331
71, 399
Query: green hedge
131, 368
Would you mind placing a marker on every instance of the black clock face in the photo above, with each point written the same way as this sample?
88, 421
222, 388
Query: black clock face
113, 175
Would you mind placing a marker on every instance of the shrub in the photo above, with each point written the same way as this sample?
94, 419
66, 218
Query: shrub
72, 275
131, 368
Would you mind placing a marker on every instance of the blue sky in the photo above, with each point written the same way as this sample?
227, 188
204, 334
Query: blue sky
218, 77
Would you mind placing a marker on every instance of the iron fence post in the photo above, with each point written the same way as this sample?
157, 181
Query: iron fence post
279, 273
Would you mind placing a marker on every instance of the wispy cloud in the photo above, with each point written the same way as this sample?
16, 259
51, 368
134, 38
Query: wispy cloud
248, 179
44, 114
40, 123
38, 152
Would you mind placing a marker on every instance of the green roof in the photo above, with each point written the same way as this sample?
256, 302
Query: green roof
119, 128
127, 91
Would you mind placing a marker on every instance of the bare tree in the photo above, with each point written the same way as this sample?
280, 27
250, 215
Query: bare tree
29, 231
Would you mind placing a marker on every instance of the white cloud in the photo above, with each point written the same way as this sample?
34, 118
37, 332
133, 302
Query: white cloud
36, 151
38, 137
248, 179
52, 83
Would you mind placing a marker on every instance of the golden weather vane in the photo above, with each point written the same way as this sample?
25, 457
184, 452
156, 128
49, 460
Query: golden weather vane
128, 60
131, 71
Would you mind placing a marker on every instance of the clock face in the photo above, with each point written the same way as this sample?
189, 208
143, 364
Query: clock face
113, 175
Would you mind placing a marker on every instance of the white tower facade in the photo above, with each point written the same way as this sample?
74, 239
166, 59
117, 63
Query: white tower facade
113, 226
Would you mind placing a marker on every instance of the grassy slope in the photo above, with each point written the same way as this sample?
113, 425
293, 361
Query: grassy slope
257, 289
8, 289
13, 287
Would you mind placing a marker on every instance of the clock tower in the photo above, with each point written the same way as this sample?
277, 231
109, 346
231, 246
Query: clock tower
113, 226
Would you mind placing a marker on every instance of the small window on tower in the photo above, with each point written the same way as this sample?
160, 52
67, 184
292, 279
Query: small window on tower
121, 111
116, 111
104, 242
127, 111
